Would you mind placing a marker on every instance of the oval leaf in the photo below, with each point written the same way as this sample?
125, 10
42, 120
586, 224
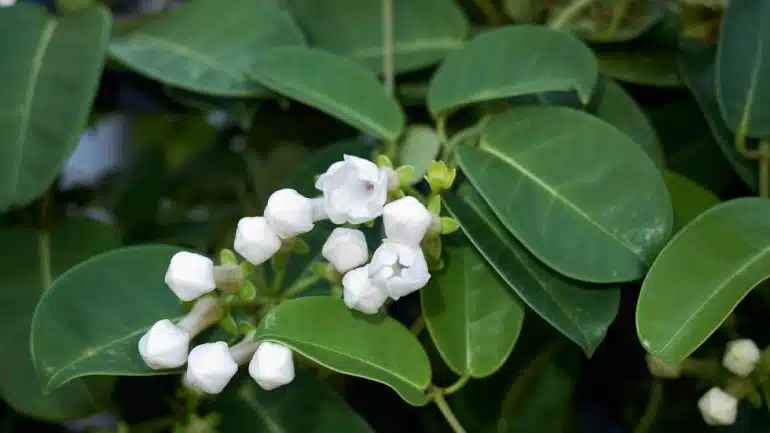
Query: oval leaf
375, 348
202, 47
334, 85
578, 310
90, 321
598, 213
31, 261
423, 31
743, 62
420, 147
50, 74
511, 61
701, 275
689, 198
246, 408
640, 63
473, 318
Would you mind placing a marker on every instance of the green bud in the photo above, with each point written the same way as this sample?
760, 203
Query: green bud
405, 174
247, 268
227, 257
248, 291
432, 247
434, 204
228, 324
439, 176
246, 327
383, 161
449, 225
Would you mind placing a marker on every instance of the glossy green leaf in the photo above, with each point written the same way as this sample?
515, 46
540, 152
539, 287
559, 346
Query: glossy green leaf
619, 109
204, 47
423, 31
580, 311
640, 63
246, 408
32, 260
699, 74
688, 198
701, 275
50, 74
420, 147
372, 347
598, 213
471, 315
511, 61
90, 321
333, 84
743, 62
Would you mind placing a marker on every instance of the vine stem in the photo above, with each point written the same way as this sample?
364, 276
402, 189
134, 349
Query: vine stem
437, 395
764, 168
569, 13
653, 404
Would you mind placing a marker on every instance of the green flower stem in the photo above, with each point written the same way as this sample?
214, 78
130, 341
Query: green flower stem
437, 396
301, 285
568, 14
418, 326
702, 368
764, 167
654, 403
458, 385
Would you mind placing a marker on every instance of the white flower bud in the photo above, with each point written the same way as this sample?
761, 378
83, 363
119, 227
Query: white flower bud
210, 367
289, 213
662, 369
190, 275
399, 268
741, 356
406, 220
164, 345
319, 210
272, 366
204, 313
360, 293
7, 3
354, 190
718, 407
345, 249
255, 240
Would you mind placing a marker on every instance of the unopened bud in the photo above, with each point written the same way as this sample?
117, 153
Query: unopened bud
210, 367
255, 240
345, 249
190, 275
272, 365
741, 356
718, 407
406, 220
289, 213
164, 346
360, 293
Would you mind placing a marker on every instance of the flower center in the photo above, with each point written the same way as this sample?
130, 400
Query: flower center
368, 187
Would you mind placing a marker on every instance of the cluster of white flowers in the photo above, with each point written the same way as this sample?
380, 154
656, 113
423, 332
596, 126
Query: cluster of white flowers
354, 191
717, 406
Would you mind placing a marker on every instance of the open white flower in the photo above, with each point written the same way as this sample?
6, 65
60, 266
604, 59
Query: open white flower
190, 275
210, 367
406, 220
255, 240
399, 268
360, 293
354, 190
165, 345
289, 213
272, 365
741, 356
718, 407
345, 249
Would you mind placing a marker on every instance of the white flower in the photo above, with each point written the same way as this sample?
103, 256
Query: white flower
345, 249
662, 369
289, 213
272, 366
190, 275
741, 356
360, 293
255, 240
204, 313
319, 210
406, 220
354, 190
399, 268
164, 345
210, 367
7, 3
718, 407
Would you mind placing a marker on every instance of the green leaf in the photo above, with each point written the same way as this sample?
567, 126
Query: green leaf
638, 18
90, 321
742, 83
242, 110
689, 198
701, 275
420, 147
580, 311
512, 61
50, 74
619, 109
423, 31
333, 84
471, 315
599, 215
32, 260
245, 408
372, 347
640, 63
203, 47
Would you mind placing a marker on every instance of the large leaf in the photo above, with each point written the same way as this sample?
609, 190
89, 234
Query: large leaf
90, 321
582, 197
333, 84
205, 47
31, 261
512, 61
743, 64
578, 310
688, 198
373, 347
640, 63
701, 275
423, 31
419, 148
245, 408
470, 313
50, 73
